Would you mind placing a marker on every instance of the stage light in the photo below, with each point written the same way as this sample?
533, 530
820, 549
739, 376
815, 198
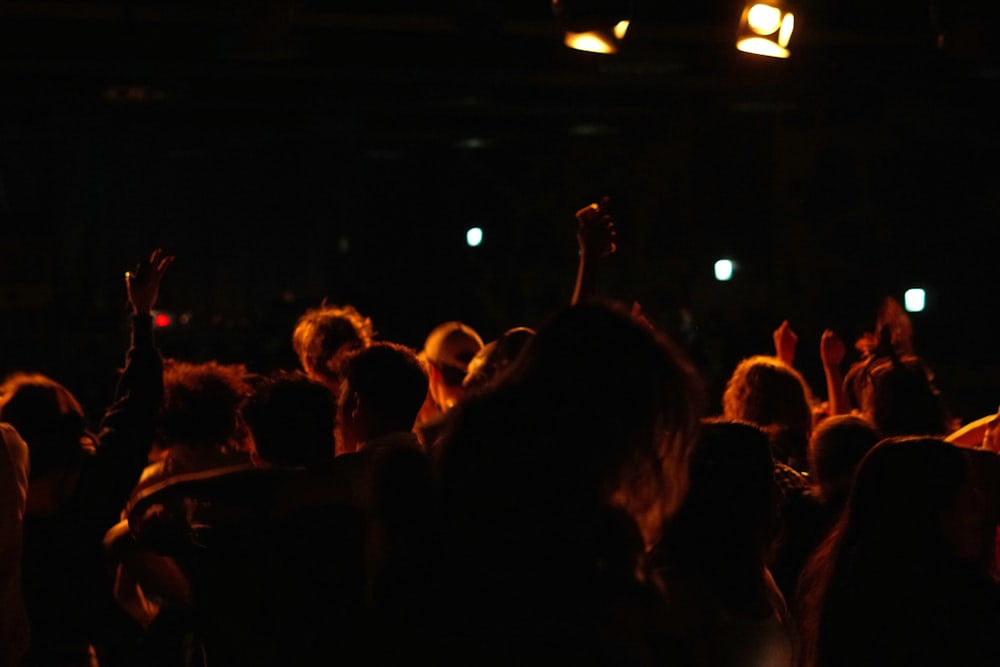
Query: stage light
162, 319
914, 300
765, 28
474, 236
724, 270
598, 26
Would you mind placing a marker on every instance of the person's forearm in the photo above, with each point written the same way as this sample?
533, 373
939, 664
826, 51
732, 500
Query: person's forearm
836, 397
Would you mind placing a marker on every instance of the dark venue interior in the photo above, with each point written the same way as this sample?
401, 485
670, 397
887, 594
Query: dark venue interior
291, 151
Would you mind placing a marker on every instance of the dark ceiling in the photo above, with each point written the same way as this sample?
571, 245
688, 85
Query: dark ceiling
449, 63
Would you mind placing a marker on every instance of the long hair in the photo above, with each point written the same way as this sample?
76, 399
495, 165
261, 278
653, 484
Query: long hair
877, 577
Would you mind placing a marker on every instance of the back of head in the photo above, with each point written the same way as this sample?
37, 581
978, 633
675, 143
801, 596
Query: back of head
323, 336
881, 588
389, 381
201, 402
291, 418
838, 444
899, 396
49, 419
730, 509
609, 406
901, 486
561, 472
768, 392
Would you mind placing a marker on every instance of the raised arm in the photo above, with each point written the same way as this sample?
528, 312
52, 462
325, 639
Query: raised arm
595, 234
127, 427
831, 352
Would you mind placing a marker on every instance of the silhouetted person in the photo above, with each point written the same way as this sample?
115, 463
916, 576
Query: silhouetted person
386, 468
905, 578
79, 483
713, 559
553, 482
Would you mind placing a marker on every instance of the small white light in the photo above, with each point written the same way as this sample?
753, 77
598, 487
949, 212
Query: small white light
723, 270
914, 300
343, 245
474, 236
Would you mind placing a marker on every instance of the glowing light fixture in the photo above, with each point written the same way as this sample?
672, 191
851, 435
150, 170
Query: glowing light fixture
914, 300
474, 236
724, 270
765, 28
598, 26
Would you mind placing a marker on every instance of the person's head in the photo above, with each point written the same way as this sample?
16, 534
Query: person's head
838, 444
201, 403
903, 491
291, 419
768, 392
495, 357
384, 387
728, 518
323, 336
612, 405
899, 396
48, 417
901, 551
447, 351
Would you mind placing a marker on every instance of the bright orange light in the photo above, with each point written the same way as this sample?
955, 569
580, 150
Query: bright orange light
764, 19
787, 25
592, 41
762, 47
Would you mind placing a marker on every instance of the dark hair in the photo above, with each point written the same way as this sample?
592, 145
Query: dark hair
610, 406
838, 444
880, 568
391, 381
201, 402
898, 394
48, 417
728, 520
291, 418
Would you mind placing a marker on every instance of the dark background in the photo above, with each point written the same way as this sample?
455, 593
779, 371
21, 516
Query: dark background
288, 152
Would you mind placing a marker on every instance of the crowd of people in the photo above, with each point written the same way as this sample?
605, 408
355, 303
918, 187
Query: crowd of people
565, 493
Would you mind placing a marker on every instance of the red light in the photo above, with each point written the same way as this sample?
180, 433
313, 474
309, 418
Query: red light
162, 320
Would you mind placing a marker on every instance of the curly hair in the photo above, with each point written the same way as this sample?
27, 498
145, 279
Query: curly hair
325, 335
766, 391
201, 401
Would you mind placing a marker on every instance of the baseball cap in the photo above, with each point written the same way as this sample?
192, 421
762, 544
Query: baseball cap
450, 347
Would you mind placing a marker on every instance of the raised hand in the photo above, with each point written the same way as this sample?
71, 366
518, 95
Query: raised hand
831, 349
785, 342
143, 283
596, 230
